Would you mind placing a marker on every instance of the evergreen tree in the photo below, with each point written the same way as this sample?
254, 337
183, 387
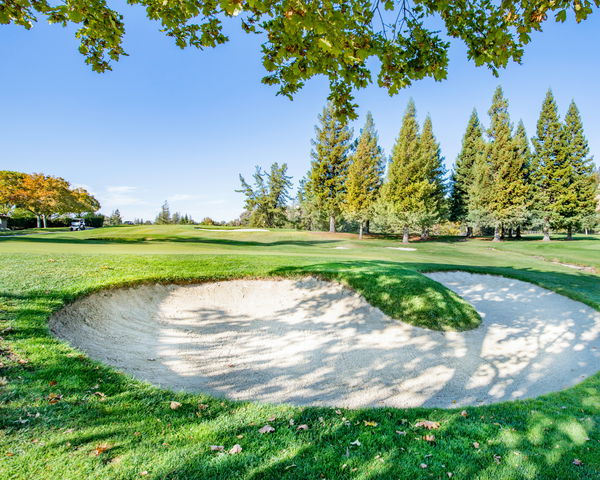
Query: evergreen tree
545, 168
164, 216
503, 194
433, 192
472, 152
310, 216
364, 176
176, 218
523, 151
266, 200
329, 167
115, 218
575, 201
400, 199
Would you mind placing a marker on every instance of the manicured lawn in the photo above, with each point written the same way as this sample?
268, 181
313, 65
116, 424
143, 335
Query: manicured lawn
63, 416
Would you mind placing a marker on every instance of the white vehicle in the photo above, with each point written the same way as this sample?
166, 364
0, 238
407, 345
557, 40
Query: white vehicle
77, 224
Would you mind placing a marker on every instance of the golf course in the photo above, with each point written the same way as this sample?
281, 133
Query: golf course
71, 409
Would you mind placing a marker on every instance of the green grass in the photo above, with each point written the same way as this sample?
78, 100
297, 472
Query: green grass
534, 439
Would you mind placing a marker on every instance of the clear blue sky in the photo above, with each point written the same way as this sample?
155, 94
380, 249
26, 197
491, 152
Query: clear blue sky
181, 125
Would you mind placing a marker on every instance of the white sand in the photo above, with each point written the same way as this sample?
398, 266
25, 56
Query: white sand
310, 342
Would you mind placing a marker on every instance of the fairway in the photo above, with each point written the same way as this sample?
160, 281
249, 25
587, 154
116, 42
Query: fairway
64, 415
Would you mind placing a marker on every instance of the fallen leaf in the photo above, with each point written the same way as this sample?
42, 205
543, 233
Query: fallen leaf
10, 454
266, 429
100, 449
54, 398
235, 449
423, 465
271, 419
476, 444
577, 462
338, 412
144, 473
239, 436
302, 427
217, 448
450, 474
428, 424
429, 438
400, 432
175, 405
292, 421
52, 383
202, 406
356, 442
100, 394
369, 423
464, 414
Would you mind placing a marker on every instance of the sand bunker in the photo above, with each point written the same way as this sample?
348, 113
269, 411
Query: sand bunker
310, 342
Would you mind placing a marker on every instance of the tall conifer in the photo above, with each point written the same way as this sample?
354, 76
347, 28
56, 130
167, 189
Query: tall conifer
329, 167
463, 176
545, 171
364, 176
523, 151
399, 193
575, 201
433, 190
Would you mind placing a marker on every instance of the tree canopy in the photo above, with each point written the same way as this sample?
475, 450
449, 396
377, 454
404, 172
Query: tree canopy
333, 38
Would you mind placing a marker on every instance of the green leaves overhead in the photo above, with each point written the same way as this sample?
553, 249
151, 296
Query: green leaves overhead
333, 38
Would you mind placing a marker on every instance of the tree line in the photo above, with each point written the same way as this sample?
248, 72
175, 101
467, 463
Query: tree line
501, 181
43, 196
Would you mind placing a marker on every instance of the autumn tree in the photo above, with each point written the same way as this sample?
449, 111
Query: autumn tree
339, 40
267, 198
329, 167
364, 179
463, 178
9, 194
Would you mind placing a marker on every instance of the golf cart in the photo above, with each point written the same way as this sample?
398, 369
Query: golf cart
77, 224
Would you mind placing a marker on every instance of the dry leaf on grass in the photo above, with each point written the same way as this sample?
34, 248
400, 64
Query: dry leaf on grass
266, 429
429, 438
235, 449
369, 423
423, 465
400, 432
577, 462
464, 413
476, 444
202, 406
174, 405
217, 448
302, 427
428, 424
356, 442
100, 449
54, 398
271, 419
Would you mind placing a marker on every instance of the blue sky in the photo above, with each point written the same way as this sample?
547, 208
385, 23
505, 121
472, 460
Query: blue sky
177, 125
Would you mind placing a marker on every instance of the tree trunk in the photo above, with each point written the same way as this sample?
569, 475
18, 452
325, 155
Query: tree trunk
424, 234
3, 223
497, 235
331, 224
360, 230
405, 235
510, 232
502, 232
570, 232
546, 231
469, 231
37, 221
44, 219
367, 226
518, 233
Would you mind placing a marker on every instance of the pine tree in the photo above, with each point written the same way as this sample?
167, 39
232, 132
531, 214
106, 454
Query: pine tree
575, 201
164, 216
115, 218
523, 151
400, 199
329, 167
545, 175
365, 172
266, 200
463, 177
432, 196
502, 191
176, 218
